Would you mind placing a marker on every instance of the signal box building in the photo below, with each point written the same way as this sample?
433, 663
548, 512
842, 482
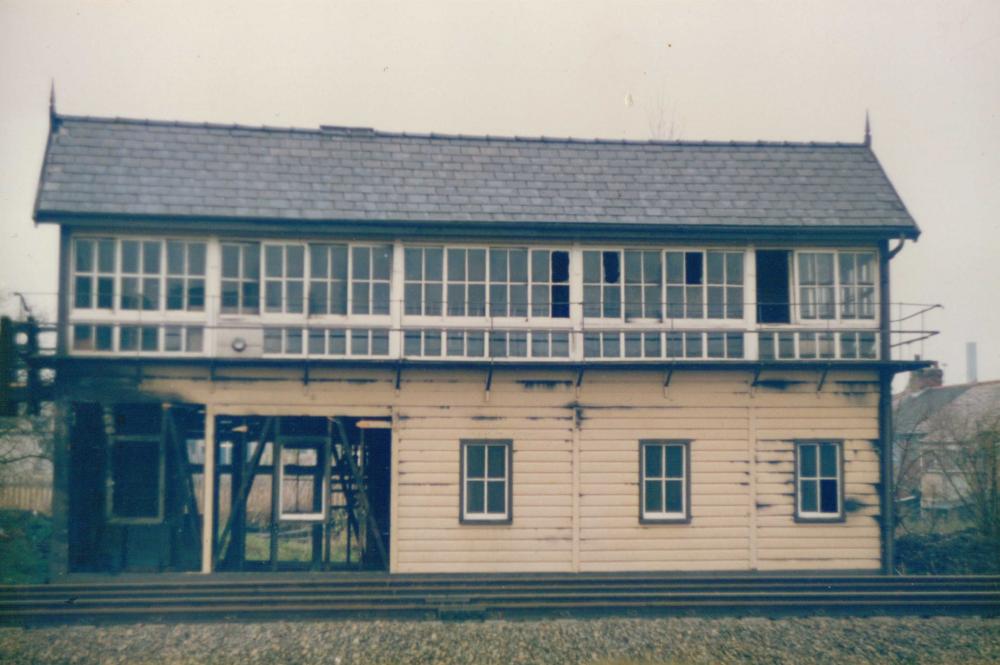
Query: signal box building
340, 348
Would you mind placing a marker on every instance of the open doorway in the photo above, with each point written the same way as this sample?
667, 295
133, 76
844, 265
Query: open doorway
302, 493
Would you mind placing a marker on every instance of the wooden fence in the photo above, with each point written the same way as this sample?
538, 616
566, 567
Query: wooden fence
36, 497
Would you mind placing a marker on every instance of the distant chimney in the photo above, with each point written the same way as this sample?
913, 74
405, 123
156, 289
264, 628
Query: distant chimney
971, 363
929, 377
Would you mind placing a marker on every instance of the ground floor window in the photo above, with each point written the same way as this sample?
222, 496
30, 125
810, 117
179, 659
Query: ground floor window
665, 481
819, 480
486, 481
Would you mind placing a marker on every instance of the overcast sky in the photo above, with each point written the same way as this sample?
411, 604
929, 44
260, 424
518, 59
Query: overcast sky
928, 71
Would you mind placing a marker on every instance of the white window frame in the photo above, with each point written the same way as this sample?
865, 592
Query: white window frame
508, 284
329, 281
284, 281
817, 478
466, 283
186, 277
429, 305
663, 479
243, 307
469, 517
603, 286
370, 280
95, 274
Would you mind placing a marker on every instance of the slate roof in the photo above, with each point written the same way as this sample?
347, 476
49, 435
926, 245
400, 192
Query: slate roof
931, 409
134, 168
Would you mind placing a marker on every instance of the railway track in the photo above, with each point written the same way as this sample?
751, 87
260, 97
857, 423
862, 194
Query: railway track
510, 596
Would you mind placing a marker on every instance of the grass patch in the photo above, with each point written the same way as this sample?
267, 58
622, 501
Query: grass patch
24, 547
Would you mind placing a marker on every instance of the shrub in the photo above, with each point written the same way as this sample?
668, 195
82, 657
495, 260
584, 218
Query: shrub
24, 547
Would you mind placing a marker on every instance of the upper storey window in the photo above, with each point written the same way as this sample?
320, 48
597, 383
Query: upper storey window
284, 278
602, 284
240, 278
140, 280
466, 282
185, 276
705, 285
327, 279
423, 281
371, 268
94, 273
550, 283
857, 285
509, 282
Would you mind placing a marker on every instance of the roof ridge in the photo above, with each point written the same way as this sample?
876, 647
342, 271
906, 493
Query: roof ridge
368, 132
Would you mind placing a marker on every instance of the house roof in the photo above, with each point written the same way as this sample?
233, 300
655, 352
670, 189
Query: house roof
933, 410
140, 168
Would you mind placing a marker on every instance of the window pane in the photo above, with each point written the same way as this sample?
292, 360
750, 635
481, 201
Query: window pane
654, 461
84, 255
477, 300
130, 256
519, 265
456, 264
675, 462
318, 298
382, 262
610, 262
828, 496
172, 338
693, 268
380, 342
104, 338
828, 460
475, 458
560, 302
807, 460
272, 340
230, 261
433, 259
272, 296
150, 338
412, 298
540, 265
560, 266
273, 261
808, 489
432, 342
715, 268
475, 497
411, 343
151, 257
151, 293
83, 337
380, 298
654, 496
456, 299
251, 297
175, 293
360, 298
734, 268
675, 496
633, 267
195, 340
251, 261
338, 343
433, 299
361, 262
293, 340
591, 267
413, 263
338, 262
495, 499
497, 462
175, 258
359, 342
196, 294
83, 292
230, 296
295, 256
824, 268
477, 265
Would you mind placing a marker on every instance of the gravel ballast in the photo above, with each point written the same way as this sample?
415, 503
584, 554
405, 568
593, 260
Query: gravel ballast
612, 641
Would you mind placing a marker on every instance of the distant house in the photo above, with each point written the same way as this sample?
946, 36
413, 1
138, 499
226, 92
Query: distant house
936, 428
438, 354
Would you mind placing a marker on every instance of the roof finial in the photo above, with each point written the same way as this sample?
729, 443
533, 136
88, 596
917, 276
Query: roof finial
868, 129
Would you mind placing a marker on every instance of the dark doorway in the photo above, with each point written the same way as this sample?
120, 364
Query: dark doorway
134, 480
773, 286
302, 492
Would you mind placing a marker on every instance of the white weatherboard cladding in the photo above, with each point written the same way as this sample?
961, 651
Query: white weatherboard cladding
576, 462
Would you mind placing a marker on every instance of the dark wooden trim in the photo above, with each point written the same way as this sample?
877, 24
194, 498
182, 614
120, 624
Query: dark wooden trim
686, 445
887, 493
509, 446
596, 229
65, 276
841, 515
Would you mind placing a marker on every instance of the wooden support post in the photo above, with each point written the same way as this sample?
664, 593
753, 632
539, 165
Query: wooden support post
577, 420
275, 494
62, 417
8, 407
209, 493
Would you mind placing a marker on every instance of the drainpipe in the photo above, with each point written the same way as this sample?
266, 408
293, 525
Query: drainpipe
885, 413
